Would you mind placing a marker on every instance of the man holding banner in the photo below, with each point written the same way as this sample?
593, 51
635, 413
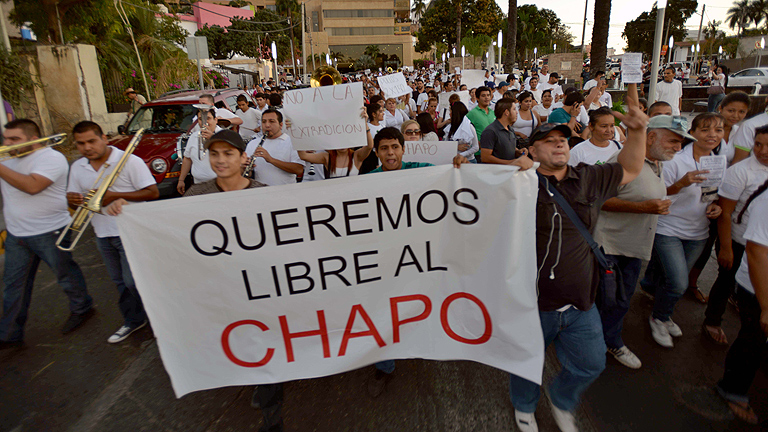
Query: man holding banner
568, 274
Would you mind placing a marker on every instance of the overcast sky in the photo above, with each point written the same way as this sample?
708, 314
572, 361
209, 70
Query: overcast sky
571, 12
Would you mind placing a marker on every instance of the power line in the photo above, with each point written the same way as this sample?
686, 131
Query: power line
216, 13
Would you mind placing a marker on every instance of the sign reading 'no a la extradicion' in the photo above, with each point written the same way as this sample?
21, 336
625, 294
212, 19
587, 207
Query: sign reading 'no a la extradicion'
325, 118
307, 280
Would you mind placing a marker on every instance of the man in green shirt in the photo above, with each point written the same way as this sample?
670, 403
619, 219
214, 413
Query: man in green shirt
482, 115
389, 145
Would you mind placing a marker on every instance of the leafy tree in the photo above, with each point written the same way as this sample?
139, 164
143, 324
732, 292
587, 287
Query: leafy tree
422, 44
439, 23
738, 15
476, 45
171, 30
364, 62
252, 38
238, 3
639, 32
218, 42
16, 78
372, 51
600, 35
419, 7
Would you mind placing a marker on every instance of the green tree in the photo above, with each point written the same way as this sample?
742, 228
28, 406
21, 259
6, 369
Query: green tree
439, 23
639, 32
759, 12
218, 42
738, 16
419, 7
364, 62
253, 38
476, 45
372, 51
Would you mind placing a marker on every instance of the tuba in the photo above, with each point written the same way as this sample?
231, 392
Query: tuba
25, 148
92, 201
325, 76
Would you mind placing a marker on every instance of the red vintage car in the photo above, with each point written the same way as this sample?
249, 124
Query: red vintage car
167, 121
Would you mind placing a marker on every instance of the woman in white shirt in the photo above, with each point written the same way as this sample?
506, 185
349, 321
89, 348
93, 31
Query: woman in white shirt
681, 235
716, 88
460, 129
544, 109
526, 120
393, 117
341, 162
734, 109
375, 118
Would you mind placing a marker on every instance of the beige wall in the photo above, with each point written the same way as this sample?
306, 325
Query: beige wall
557, 62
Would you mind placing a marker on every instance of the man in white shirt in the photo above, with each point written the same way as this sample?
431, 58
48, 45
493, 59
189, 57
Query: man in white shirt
261, 102
670, 91
196, 160
551, 84
599, 75
134, 183
544, 73
35, 211
499, 93
276, 161
251, 118
744, 138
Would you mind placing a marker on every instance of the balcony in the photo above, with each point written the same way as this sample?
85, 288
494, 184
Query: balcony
403, 29
402, 5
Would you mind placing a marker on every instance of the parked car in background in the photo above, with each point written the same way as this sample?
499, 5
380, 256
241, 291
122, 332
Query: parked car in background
168, 121
748, 78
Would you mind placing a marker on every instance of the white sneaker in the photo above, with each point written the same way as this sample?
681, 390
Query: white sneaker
123, 332
660, 333
626, 357
526, 422
673, 329
564, 419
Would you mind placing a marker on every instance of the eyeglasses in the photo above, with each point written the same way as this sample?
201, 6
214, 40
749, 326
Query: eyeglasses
412, 132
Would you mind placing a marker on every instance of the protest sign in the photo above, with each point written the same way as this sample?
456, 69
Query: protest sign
473, 78
298, 281
325, 118
442, 99
457, 70
394, 85
631, 68
434, 152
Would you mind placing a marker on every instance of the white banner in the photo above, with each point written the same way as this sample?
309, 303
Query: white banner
394, 85
299, 281
325, 118
434, 152
443, 98
473, 78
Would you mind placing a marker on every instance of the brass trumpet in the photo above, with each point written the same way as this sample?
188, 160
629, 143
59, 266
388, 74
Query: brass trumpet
25, 148
325, 76
92, 201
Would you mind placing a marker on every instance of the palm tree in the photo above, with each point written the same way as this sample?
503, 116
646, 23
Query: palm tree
419, 7
509, 60
738, 15
759, 12
458, 23
289, 9
600, 35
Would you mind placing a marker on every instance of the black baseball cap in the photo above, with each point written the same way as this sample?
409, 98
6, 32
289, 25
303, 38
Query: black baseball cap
542, 131
230, 137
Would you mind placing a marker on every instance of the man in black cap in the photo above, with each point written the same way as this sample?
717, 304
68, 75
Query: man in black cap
567, 271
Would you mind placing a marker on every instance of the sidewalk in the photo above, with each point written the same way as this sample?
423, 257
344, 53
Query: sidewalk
80, 383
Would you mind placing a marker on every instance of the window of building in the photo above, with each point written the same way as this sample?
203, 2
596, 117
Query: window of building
360, 31
315, 21
355, 13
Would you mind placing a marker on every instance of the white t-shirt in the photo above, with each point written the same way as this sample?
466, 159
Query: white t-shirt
741, 180
590, 154
394, 120
466, 133
28, 215
279, 148
251, 122
757, 232
606, 100
687, 218
670, 93
375, 129
423, 98
135, 176
744, 138
541, 111
556, 88
589, 84
201, 168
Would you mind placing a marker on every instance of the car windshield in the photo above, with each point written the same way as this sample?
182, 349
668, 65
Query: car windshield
162, 118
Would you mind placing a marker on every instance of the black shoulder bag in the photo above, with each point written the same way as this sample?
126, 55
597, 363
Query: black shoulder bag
611, 288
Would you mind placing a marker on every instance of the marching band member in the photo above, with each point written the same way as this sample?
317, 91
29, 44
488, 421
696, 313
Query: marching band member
194, 160
35, 211
277, 162
134, 183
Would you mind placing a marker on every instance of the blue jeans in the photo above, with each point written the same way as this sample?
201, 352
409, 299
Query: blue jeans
713, 101
667, 273
130, 305
22, 258
578, 338
613, 318
386, 366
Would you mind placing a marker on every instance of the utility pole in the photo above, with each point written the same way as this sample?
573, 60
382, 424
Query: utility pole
4, 31
293, 53
698, 39
661, 8
584, 27
304, 41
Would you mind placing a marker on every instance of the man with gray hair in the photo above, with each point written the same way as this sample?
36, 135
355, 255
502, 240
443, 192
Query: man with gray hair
627, 226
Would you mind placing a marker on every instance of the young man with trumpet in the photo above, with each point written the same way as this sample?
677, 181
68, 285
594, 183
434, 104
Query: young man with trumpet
134, 183
33, 186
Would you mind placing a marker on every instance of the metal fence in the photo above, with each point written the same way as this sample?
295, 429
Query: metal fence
113, 92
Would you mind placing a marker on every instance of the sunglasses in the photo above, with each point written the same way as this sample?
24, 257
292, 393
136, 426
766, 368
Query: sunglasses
412, 132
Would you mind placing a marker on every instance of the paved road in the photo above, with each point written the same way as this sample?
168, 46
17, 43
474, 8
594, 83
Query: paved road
80, 383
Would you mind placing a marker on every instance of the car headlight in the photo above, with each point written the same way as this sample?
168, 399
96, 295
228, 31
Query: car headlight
159, 165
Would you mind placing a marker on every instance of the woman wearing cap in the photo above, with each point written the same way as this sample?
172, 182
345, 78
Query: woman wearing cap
682, 234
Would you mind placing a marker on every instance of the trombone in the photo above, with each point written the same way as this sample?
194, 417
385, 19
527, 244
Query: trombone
25, 148
92, 200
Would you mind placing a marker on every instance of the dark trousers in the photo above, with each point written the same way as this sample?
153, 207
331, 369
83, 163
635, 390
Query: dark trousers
613, 317
723, 288
707, 252
270, 398
746, 354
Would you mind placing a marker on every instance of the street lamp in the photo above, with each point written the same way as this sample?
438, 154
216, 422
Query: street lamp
463, 53
499, 45
662, 6
760, 54
274, 58
554, 48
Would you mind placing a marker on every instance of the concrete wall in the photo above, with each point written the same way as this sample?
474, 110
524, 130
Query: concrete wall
567, 65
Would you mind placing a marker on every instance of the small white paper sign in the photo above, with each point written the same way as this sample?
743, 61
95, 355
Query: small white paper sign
473, 78
631, 68
325, 118
442, 99
458, 70
434, 152
716, 165
394, 85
